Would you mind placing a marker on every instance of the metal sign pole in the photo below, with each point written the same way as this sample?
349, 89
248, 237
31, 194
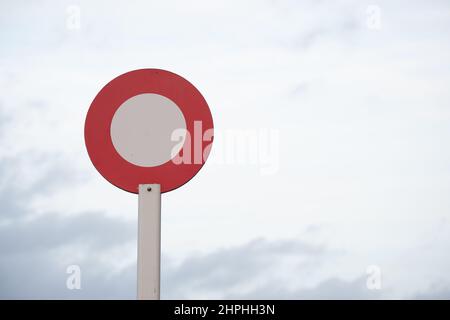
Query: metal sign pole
149, 242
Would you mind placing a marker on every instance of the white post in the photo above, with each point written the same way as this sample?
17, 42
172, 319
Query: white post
149, 242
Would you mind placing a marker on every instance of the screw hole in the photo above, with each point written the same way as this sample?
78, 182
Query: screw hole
149, 189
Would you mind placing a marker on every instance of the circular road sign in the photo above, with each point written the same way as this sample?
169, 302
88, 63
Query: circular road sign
148, 126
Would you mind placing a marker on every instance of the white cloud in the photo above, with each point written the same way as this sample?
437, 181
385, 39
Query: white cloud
362, 115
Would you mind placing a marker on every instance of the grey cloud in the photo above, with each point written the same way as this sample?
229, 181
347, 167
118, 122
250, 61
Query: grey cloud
435, 292
4, 118
39, 276
222, 271
53, 230
30, 269
341, 31
300, 89
307, 39
53, 173
30, 266
332, 288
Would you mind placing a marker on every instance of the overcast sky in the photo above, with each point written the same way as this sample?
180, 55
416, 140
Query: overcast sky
350, 105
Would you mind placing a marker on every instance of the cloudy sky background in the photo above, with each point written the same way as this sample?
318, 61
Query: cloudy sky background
360, 175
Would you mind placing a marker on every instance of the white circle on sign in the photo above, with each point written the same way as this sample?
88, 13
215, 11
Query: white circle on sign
142, 127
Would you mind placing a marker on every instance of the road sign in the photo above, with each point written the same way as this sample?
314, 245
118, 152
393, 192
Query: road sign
148, 126
148, 131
